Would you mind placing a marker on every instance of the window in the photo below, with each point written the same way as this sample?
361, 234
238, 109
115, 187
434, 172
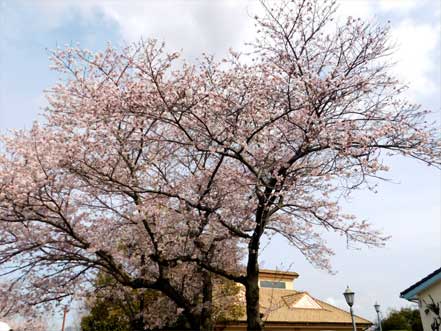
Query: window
271, 284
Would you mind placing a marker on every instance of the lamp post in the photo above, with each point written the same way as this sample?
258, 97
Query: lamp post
349, 297
377, 309
64, 318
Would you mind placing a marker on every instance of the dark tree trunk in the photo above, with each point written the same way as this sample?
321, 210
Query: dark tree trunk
193, 319
136, 321
137, 325
207, 323
254, 319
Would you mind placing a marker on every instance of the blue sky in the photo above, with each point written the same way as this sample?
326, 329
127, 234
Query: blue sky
408, 209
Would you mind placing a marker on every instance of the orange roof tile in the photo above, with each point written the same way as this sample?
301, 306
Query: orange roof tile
278, 305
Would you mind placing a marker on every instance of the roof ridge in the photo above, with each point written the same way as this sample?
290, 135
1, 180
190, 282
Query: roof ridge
276, 304
328, 304
279, 272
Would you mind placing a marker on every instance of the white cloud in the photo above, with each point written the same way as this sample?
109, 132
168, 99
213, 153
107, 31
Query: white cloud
400, 5
356, 8
194, 26
416, 43
214, 27
416, 36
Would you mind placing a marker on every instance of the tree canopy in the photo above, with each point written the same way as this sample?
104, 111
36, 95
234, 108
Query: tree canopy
114, 308
163, 173
403, 319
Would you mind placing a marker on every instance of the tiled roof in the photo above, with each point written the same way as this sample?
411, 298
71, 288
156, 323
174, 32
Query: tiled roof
291, 299
278, 305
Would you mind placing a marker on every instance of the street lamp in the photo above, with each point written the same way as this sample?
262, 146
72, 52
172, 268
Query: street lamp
377, 309
349, 297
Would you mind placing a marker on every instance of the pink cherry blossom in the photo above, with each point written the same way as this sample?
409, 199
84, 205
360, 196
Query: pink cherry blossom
159, 172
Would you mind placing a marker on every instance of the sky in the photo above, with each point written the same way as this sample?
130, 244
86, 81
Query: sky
408, 207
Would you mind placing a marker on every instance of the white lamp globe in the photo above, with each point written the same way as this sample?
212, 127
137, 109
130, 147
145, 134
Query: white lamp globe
4, 327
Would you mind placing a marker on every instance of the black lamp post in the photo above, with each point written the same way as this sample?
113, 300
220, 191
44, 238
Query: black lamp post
349, 297
377, 309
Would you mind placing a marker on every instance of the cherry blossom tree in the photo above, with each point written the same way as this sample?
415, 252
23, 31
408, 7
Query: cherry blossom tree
29, 318
28, 325
55, 236
152, 169
112, 306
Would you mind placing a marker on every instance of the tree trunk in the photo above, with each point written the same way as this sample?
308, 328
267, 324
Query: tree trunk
137, 325
254, 320
207, 301
193, 320
165, 287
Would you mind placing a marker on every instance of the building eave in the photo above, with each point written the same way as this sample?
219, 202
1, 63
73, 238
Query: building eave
290, 325
280, 273
412, 292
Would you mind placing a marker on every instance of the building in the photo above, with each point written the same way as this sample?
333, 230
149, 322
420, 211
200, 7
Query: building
285, 308
427, 293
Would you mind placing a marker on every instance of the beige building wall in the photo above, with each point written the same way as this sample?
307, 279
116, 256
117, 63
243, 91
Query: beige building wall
278, 276
289, 283
424, 296
286, 309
